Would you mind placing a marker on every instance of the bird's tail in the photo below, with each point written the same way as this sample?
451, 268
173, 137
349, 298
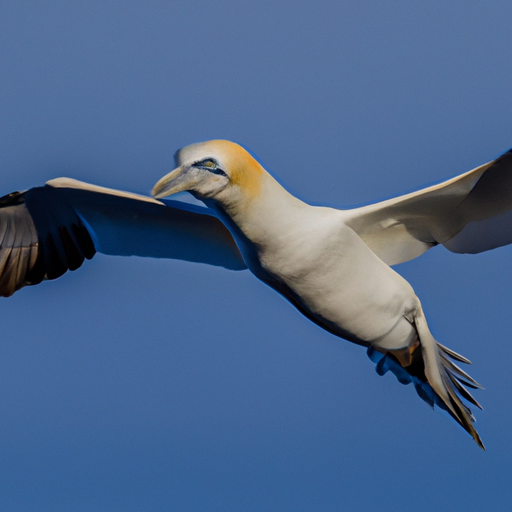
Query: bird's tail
436, 378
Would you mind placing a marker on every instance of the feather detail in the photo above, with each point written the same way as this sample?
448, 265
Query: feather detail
437, 380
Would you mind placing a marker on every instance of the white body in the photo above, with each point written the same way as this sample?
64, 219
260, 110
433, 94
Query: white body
320, 264
333, 265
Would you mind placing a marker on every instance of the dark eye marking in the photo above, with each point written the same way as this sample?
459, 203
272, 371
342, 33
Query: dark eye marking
210, 165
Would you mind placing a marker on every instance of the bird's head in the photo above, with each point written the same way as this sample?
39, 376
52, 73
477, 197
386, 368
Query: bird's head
218, 169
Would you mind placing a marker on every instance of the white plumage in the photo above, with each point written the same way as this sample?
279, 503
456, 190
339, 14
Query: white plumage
333, 265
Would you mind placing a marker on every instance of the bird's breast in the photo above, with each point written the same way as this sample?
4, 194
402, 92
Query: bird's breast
311, 257
333, 278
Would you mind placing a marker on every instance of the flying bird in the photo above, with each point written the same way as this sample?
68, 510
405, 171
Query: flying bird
333, 265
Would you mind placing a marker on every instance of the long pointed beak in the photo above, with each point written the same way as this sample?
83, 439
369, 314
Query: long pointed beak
176, 181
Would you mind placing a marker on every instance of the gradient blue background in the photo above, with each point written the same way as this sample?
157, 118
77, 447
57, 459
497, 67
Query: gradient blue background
136, 385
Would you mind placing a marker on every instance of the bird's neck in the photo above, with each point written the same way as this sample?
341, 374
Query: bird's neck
261, 219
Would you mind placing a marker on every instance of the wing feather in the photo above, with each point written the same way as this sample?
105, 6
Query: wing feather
48, 230
468, 214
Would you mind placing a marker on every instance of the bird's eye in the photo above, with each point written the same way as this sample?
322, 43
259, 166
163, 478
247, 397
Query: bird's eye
207, 163
210, 165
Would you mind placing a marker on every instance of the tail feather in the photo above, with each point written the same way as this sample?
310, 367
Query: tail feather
463, 391
437, 379
453, 354
460, 374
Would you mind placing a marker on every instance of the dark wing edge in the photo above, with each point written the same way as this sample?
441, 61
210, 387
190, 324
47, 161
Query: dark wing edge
21, 253
46, 231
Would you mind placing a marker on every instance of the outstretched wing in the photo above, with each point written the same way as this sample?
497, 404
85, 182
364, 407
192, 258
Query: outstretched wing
48, 230
468, 214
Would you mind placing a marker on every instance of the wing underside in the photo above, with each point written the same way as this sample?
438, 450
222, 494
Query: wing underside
48, 230
468, 214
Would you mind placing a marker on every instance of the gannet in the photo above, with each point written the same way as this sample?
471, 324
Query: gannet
333, 265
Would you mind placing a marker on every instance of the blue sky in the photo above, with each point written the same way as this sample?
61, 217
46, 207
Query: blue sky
138, 384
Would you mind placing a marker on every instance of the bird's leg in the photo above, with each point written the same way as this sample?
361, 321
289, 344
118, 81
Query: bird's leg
404, 355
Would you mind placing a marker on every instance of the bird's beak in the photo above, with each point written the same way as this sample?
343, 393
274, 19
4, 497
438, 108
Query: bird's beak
179, 180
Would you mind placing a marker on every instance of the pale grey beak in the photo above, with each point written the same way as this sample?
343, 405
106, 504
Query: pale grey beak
179, 180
